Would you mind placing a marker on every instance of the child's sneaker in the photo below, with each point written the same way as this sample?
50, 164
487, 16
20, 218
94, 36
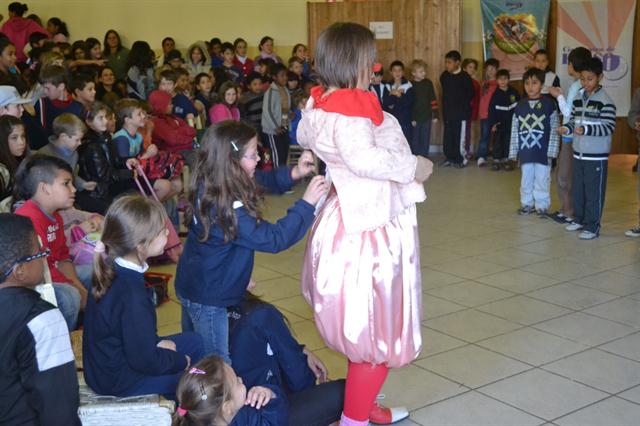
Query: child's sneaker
573, 226
445, 163
587, 235
525, 210
460, 165
558, 217
482, 162
381, 415
508, 167
633, 232
496, 166
542, 214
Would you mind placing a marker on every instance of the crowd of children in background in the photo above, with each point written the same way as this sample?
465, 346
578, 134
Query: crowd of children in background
95, 112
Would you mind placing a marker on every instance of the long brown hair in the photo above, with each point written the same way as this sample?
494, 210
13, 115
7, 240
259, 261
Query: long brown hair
130, 225
207, 380
218, 179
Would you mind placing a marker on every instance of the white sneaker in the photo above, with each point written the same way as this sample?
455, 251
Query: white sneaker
481, 162
573, 226
587, 235
633, 232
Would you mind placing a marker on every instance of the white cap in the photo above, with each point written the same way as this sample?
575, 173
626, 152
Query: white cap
9, 95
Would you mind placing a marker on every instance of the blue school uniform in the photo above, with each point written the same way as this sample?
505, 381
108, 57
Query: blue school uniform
182, 106
214, 274
275, 413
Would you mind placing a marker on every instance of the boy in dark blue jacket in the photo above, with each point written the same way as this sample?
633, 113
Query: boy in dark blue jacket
501, 107
401, 99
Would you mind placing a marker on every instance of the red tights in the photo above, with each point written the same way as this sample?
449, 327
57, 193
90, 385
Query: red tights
364, 381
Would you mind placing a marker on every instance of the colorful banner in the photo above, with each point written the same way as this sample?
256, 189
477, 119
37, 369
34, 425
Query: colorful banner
606, 28
512, 31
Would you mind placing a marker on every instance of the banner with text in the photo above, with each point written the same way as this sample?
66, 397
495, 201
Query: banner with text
512, 31
606, 28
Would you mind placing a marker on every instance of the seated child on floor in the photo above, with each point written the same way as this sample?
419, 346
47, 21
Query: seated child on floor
122, 354
39, 382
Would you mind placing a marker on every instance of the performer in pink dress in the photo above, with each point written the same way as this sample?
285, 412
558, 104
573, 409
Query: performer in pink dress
361, 272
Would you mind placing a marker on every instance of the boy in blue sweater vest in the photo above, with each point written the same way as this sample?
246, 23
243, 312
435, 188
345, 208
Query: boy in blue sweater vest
592, 122
534, 142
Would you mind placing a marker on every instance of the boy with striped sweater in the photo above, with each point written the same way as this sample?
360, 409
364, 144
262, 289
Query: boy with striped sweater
592, 122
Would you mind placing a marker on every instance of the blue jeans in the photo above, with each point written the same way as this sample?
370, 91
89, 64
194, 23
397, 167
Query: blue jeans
421, 139
485, 135
186, 344
211, 323
68, 299
85, 275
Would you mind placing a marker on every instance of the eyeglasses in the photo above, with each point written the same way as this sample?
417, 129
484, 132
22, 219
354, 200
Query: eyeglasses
26, 259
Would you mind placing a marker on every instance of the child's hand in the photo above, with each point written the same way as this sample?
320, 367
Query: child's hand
151, 151
100, 62
259, 396
316, 189
414, 123
555, 91
306, 165
579, 130
132, 163
494, 128
83, 296
563, 130
167, 344
424, 168
251, 285
317, 366
89, 186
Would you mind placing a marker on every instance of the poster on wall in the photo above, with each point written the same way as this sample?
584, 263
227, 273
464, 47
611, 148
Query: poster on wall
512, 31
606, 28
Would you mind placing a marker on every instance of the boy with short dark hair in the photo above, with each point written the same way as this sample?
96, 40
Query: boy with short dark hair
457, 92
250, 104
489, 86
534, 142
401, 98
83, 88
541, 61
57, 99
501, 108
422, 112
39, 381
275, 116
577, 60
228, 55
379, 87
592, 122
47, 184
182, 105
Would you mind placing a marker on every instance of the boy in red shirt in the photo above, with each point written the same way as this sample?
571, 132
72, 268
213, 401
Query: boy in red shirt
47, 184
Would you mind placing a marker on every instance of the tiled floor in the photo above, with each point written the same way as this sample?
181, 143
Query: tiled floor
523, 323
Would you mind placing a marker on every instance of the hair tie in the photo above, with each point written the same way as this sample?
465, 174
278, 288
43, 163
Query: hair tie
197, 371
235, 147
100, 247
181, 411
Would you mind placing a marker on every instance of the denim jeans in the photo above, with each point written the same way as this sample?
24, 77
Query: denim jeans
485, 134
421, 138
186, 344
85, 275
211, 323
68, 299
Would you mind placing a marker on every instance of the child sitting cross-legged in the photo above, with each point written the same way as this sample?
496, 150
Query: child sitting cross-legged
39, 382
122, 353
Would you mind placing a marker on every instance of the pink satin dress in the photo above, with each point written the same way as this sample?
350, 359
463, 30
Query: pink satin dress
365, 288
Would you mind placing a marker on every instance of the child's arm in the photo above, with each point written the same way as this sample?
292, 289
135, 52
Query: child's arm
514, 144
47, 369
606, 124
274, 413
569, 127
554, 137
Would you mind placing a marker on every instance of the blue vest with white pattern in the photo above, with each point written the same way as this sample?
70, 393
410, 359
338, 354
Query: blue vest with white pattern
534, 129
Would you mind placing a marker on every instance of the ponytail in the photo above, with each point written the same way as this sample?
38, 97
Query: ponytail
103, 274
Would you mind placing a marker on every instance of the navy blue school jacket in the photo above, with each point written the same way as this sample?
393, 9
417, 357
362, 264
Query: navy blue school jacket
263, 350
119, 339
216, 272
275, 413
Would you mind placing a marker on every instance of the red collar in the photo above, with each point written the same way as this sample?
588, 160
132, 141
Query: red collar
350, 102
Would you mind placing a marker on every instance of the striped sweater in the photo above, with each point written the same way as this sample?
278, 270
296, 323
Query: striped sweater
596, 114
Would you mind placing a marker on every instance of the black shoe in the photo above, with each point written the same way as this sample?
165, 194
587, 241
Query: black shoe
558, 217
526, 210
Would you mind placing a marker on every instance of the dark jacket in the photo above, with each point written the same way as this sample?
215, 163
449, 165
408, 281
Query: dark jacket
216, 272
119, 338
38, 384
97, 163
263, 350
402, 107
457, 92
501, 107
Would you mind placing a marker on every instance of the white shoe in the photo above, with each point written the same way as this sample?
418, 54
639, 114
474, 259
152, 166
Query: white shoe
573, 226
633, 232
481, 162
587, 235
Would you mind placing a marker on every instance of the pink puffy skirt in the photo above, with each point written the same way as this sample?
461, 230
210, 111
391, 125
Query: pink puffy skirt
365, 288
